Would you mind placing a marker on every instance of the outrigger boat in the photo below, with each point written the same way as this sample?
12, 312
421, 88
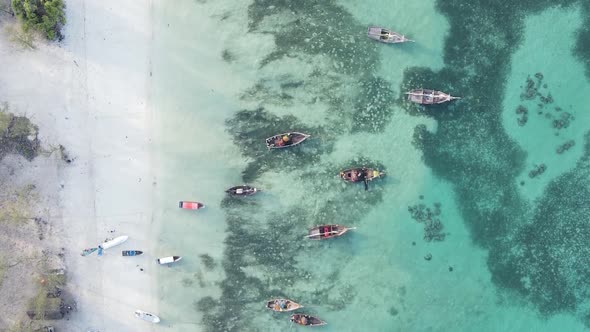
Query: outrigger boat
187, 205
361, 174
242, 190
168, 260
285, 140
429, 97
148, 317
323, 232
307, 320
386, 36
131, 252
282, 305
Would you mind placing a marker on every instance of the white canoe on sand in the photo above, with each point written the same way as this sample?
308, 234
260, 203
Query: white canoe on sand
116, 241
168, 260
147, 316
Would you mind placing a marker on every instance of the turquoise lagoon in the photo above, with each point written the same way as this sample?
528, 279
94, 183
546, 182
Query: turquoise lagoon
230, 73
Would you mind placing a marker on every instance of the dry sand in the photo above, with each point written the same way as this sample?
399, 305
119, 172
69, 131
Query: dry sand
90, 93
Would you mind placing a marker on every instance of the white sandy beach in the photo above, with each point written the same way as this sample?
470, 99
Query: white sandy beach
90, 93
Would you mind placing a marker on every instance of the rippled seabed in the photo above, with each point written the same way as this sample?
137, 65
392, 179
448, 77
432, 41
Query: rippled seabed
536, 249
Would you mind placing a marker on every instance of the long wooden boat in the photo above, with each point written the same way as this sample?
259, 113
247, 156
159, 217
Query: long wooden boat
148, 317
360, 174
188, 205
386, 36
282, 305
242, 190
286, 140
307, 320
429, 97
323, 232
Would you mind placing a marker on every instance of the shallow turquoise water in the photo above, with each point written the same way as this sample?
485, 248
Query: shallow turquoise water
228, 75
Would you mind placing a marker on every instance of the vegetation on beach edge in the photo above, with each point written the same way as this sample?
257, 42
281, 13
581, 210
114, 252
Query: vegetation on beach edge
45, 16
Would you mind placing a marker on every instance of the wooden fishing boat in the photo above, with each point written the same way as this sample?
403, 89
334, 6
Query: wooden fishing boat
187, 205
242, 190
285, 140
429, 97
131, 252
307, 320
360, 174
323, 232
88, 251
282, 305
148, 317
168, 260
386, 36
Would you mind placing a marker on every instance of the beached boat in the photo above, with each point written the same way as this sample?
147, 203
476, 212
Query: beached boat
190, 205
131, 252
307, 320
386, 36
242, 190
168, 260
148, 317
88, 251
429, 97
323, 232
282, 305
114, 242
285, 140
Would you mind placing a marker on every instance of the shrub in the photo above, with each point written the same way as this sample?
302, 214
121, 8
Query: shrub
46, 16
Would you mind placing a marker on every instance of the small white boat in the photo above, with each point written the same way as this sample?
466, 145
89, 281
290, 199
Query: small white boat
168, 260
114, 242
386, 36
143, 315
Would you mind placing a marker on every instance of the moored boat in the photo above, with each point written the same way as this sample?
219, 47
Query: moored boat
148, 317
386, 36
242, 190
361, 174
114, 242
307, 320
285, 140
282, 305
131, 252
429, 97
188, 205
323, 232
168, 260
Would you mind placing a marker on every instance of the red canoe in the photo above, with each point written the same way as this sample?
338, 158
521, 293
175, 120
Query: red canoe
190, 205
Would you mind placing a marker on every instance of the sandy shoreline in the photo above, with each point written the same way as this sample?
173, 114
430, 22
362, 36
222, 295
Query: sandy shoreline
91, 94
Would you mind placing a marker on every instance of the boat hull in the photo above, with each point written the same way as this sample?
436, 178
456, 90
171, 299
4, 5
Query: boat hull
386, 36
188, 205
429, 97
148, 317
295, 138
131, 252
168, 260
114, 242
242, 191
282, 305
355, 174
324, 232
306, 320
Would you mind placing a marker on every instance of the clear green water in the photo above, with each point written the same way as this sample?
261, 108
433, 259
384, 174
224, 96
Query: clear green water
228, 75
